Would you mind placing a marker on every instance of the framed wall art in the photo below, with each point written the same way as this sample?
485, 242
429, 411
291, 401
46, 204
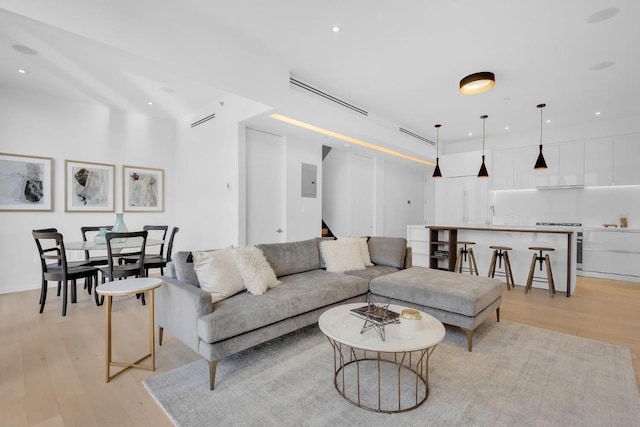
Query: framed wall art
143, 189
89, 187
26, 183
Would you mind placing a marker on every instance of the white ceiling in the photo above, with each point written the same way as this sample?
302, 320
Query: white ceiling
401, 60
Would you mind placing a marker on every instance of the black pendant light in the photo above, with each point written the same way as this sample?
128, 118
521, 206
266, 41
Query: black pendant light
540, 163
436, 171
483, 169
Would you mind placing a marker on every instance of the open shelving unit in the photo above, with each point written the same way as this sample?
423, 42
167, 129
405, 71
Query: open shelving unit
442, 248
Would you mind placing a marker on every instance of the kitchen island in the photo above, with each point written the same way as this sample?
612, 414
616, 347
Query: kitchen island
443, 249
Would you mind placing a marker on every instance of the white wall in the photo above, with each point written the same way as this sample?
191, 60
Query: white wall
210, 201
395, 184
303, 214
41, 125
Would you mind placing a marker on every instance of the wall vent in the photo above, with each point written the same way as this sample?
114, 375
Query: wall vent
416, 136
202, 120
308, 88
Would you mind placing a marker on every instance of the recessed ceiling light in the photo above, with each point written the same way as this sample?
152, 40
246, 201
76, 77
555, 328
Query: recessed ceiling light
549, 121
335, 29
470, 133
347, 145
598, 113
22, 71
150, 103
506, 128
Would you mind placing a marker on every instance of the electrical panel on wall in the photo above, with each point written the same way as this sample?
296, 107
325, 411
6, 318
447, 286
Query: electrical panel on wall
309, 180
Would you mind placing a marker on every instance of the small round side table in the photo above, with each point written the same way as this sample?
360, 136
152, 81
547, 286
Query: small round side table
130, 287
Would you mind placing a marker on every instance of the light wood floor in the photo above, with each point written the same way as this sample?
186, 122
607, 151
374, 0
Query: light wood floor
52, 367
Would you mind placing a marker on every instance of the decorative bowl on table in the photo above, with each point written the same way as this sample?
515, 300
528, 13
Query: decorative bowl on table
410, 319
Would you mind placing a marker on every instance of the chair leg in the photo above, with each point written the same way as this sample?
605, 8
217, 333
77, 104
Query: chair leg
59, 286
527, 288
160, 334
492, 264
509, 273
552, 285
43, 295
458, 266
74, 292
64, 299
498, 314
473, 266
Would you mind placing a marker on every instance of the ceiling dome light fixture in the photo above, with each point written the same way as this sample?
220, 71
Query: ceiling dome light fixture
483, 169
436, 171
477, 83
540, 162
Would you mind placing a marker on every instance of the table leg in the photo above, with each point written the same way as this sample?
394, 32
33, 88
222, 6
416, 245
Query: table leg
108, 311
152, 335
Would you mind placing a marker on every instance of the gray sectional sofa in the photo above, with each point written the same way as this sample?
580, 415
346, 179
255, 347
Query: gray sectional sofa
244, 320
305, 291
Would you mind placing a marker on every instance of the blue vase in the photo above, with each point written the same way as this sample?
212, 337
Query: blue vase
99, 238
119, 227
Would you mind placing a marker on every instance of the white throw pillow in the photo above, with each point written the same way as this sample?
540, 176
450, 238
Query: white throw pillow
364, 249
217, 273
256, 272
341, 255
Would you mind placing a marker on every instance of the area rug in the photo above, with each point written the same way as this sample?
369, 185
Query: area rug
516, 375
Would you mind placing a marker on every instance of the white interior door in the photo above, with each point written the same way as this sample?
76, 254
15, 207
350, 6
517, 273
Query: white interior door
362, 199
265, 188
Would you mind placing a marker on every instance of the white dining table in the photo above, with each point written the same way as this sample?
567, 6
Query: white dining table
90, 245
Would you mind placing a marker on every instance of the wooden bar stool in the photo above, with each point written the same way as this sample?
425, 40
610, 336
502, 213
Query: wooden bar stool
542, 259
466, 255
501, 253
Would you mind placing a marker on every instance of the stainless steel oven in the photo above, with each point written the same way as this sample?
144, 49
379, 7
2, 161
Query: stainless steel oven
579, 238
579, 250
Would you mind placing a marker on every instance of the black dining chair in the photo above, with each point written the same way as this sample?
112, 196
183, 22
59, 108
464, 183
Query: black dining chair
92, 231
50, 245
116, 270
158, 261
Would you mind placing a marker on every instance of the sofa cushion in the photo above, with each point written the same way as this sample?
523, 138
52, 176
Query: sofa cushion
292, 257
217, 273
256, 272
444, 290
341, 255
370, 273
296, 294
183, 266
388, 251
364, 249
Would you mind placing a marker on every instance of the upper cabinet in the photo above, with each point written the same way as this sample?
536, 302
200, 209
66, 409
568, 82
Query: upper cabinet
502, 170
626, 152
524, 177
565, 165
598, 163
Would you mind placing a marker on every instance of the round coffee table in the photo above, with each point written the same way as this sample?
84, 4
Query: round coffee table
405, 351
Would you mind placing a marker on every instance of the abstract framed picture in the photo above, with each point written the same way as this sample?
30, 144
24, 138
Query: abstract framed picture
143, 189
89, 187
26, 183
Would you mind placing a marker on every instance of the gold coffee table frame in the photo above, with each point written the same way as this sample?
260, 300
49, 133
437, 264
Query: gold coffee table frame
129, 287
408, 350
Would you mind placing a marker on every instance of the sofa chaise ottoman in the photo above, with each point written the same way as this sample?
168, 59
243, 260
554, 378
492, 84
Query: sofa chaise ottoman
452, 298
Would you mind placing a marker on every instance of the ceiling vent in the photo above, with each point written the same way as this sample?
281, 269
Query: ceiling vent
310, 89
202, 120
416, 136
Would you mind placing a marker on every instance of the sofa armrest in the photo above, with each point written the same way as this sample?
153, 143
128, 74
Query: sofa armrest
408, 258
179, 305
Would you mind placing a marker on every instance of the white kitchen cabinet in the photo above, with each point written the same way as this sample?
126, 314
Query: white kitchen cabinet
502, 170
565, 165
613, 254
462, 164
524, 158
626, 152
418, 240
598, 163
462, 200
